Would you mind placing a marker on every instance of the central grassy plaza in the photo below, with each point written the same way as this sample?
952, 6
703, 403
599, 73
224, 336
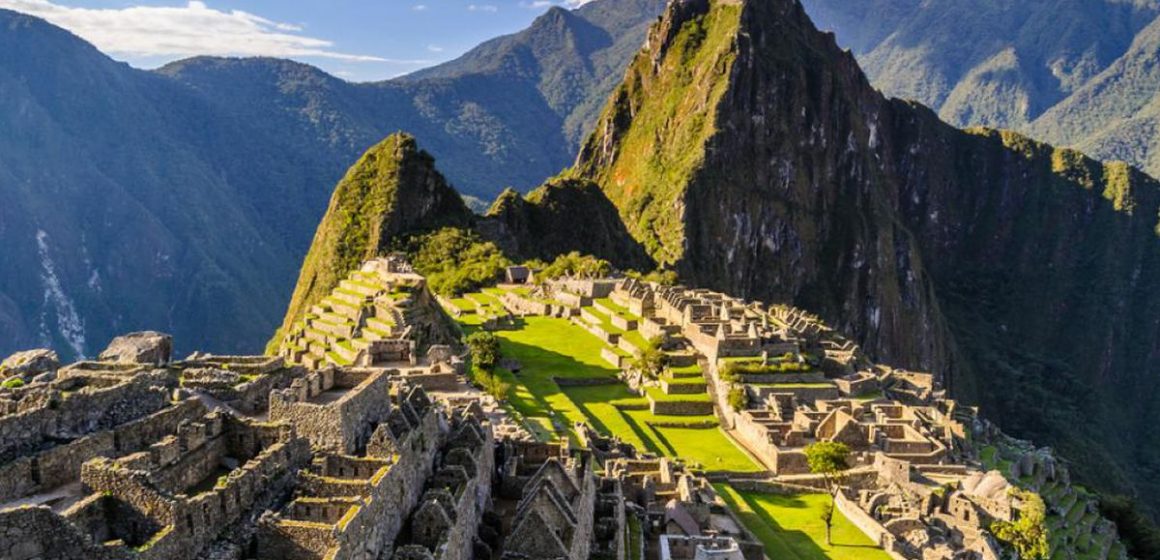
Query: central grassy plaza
791, 526
549, 348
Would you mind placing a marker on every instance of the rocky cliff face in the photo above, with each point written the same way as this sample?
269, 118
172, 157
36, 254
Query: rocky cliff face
392, 190
750, 152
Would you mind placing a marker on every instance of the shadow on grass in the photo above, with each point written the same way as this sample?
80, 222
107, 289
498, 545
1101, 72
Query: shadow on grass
794, 544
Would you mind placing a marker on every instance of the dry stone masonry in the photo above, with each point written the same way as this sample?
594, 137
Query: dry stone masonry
361, 439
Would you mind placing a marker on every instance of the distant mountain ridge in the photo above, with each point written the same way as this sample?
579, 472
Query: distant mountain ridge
183, 199
1079, 73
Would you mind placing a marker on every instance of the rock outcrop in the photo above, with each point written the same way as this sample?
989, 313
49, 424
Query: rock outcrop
148, 347
29, 364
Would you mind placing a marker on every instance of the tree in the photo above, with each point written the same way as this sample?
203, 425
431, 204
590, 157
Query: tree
485, 350
829, 459
1028, 534
652, 360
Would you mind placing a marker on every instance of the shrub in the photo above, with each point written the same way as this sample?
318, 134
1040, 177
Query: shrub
575, 264
12, 383
728, 373
494, 386
485, 349
733, 372
738, 399
1028, 535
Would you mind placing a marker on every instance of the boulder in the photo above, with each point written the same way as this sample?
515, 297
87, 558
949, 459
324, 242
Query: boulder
30, 363
146, 347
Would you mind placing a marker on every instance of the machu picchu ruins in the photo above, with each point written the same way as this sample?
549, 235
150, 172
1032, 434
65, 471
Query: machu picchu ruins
367, 436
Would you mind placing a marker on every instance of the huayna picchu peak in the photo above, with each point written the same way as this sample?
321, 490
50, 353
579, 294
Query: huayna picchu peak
768, 312
393, 190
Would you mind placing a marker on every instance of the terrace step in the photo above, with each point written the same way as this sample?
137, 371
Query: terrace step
352, 298
342, 307
378, 323
359, 288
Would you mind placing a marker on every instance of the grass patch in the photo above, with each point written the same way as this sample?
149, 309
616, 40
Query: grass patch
791, 527
660, 396
550, 348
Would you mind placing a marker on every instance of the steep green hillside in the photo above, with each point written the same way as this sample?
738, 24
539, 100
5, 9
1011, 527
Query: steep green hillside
1027, 276
669, 94
392, 190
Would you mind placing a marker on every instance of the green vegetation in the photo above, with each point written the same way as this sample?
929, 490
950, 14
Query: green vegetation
1139, 533
738, 399
12, 383
736, 371
660, 276
393, 190
673, 112
485, 354
790, 527
548, 349
456, 261
1028, 535
572, 264
484, 347
634, 537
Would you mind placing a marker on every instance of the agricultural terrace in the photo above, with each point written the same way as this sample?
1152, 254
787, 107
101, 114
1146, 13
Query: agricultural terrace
791, 526
548, 349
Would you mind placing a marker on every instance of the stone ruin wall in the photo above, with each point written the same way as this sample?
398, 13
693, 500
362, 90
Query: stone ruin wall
61, 464
83, 412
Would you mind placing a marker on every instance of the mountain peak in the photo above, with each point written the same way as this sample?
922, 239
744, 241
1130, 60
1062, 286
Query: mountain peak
393, 190
748, 152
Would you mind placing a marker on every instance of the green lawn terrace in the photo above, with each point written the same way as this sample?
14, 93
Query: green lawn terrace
565, 376
362, 321
791, 528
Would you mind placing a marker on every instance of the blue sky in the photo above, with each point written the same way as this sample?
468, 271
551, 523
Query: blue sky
359, 40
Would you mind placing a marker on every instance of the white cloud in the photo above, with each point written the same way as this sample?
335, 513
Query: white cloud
419, 8
482, 8
435, 48
194, 29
